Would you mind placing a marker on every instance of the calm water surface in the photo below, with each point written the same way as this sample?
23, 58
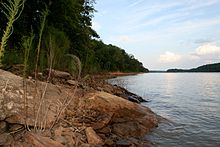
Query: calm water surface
190, 102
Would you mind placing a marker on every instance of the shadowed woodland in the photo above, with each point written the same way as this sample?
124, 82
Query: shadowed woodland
46, 28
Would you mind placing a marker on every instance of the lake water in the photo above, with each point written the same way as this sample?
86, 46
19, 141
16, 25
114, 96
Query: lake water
189, 101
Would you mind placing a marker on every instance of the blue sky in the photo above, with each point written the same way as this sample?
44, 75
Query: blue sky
162, 34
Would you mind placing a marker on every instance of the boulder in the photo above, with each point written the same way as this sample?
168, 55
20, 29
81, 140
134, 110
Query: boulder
125, 117
60, 74
72, 82
12, 101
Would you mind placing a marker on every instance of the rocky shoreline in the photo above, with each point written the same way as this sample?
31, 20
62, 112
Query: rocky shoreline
89, 112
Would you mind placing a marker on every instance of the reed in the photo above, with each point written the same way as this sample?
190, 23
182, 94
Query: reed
27, 45
12, 11
75, 66
43, 22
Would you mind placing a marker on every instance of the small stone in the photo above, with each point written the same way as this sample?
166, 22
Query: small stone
105, 130
3, 126
99, 89
15, 127
21, 91
92, 137
5, 139
72, 82
30, 97
10, 105
60, 74
109, 142
123, 143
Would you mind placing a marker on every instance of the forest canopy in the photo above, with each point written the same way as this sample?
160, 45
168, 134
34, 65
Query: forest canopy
63, 27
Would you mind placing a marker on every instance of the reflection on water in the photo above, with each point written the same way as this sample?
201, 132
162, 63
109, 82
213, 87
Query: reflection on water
190, 101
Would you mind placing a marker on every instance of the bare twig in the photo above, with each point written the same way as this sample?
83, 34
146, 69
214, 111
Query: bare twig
42, 99
6, 85
65, 104
45, 118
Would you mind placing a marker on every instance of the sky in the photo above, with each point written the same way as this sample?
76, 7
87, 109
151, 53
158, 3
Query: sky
162, 34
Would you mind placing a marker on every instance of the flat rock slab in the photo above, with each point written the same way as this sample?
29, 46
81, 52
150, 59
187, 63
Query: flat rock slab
12, 100
125, 117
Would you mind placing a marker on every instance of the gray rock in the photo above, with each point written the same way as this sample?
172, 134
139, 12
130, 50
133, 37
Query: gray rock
72, 82
123, 143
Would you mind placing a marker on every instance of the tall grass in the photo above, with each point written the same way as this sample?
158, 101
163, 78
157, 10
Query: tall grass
56, 43
13, 10
56, 48
75, 66
43, 23
27, 45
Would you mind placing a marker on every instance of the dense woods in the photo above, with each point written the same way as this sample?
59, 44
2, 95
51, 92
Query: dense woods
57, 28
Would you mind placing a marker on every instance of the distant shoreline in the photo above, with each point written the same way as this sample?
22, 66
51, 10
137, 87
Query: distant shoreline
215, 67
184, 72
111, 75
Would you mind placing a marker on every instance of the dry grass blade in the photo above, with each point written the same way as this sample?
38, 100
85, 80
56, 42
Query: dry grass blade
42, 100
68, 100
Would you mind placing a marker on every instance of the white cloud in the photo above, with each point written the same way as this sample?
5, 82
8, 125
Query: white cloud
169, 57
204, 54
207, 49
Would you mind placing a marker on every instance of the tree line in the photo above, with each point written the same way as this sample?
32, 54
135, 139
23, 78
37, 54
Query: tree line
215, 67
58, 28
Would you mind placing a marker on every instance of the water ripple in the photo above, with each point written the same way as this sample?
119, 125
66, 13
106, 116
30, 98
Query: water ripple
190, 102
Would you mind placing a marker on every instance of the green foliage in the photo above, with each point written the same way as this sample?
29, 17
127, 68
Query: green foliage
42, 26
113, 58
64, 27
12, 11
75, 66
12, 56
55, 45
204, 68
27, 45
